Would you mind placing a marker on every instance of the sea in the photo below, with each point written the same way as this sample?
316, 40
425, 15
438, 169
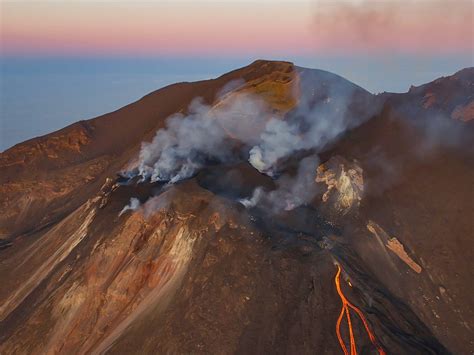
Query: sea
39, 95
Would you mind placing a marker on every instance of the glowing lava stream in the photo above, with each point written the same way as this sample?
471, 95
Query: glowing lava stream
346, 306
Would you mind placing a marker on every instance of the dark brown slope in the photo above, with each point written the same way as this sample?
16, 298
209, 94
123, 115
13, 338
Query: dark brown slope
195, 272
450, 97
420, 193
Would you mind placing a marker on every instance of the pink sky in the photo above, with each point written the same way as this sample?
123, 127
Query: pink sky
262, 27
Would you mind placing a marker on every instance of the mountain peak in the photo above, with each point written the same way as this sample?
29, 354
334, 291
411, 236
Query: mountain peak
219, 216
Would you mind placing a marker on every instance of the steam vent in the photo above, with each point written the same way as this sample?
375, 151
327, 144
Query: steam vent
273, 210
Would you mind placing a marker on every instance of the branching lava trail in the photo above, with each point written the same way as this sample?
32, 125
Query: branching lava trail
346, 307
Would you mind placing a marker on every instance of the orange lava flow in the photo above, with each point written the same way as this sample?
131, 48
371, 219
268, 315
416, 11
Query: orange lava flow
346, 307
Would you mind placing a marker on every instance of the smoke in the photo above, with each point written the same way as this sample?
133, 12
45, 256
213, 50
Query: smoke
292, 190
179, 149
394, 26
133, 206
241, 126
205, 135
321, 116
278, 140
252, 201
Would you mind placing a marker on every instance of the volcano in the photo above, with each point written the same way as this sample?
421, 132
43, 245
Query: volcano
275, 209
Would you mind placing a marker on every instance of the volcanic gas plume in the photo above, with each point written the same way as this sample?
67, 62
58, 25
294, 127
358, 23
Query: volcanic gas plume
242, 126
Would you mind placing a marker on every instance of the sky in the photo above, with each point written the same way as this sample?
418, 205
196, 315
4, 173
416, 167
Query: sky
236, 28
65, 60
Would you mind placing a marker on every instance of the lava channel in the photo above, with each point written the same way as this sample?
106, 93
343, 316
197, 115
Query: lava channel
346, 307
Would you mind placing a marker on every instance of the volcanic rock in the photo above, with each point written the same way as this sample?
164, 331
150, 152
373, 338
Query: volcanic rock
191, 270
345, 183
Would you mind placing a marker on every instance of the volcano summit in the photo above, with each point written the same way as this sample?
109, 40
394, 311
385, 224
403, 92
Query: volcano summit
275, 209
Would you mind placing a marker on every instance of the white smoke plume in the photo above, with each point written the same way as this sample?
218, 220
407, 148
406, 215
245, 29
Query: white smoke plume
252, 201
292, 190
278, 140
241, 126
316, 122
177, 150
133, 205
205, 134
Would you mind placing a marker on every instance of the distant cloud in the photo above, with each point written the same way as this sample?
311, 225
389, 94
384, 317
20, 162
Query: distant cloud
396, 25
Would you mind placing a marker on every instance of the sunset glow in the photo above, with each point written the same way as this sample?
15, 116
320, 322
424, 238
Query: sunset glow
235, 28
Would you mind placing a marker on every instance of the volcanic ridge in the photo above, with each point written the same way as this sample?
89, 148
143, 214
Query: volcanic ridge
275, 209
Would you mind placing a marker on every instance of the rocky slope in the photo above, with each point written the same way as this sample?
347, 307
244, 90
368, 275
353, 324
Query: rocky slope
231, 259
